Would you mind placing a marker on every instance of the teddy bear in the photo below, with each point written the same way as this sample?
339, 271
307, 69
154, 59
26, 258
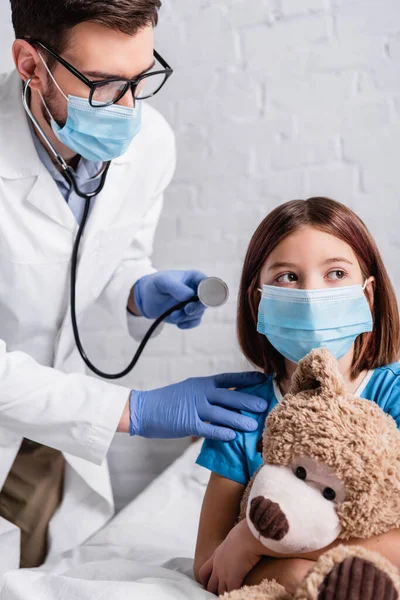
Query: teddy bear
331, 471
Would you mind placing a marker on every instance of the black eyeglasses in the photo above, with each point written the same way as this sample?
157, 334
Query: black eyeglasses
109, 91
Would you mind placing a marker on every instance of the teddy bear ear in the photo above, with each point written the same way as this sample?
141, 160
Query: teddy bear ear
319, 369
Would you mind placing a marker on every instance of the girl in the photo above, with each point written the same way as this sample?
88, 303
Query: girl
300, 247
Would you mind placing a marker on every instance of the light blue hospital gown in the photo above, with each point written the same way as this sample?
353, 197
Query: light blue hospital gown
239, 459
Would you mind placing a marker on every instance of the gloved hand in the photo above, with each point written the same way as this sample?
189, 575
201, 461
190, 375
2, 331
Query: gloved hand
154, 294
181, 409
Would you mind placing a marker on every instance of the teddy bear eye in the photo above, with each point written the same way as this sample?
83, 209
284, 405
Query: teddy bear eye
301, 473
329, 494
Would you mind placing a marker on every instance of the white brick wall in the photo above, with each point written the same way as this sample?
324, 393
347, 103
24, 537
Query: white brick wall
270, 100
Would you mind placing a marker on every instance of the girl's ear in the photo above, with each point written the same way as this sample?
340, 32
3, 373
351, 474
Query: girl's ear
369, 290
318, 370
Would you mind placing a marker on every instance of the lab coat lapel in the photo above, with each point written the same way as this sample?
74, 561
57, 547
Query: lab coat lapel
46, 197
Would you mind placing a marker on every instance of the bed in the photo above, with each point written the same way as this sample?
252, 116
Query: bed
145, 552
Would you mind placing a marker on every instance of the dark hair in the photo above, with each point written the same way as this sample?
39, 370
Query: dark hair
49, 21
374, 349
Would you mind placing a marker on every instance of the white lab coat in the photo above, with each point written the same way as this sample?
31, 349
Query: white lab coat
62, 407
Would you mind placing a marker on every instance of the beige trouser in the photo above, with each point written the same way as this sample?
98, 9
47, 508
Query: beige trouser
31, 495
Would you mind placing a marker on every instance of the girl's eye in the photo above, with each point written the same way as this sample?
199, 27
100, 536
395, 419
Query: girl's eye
337, 274
287, 278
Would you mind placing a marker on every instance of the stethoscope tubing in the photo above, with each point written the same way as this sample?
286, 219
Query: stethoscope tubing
143, 344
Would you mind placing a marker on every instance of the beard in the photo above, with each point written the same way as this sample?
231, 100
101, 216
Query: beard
55, 106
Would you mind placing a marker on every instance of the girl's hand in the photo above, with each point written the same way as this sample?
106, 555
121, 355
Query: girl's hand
289, 572
231, 562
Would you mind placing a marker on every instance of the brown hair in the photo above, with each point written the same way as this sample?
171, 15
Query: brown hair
49, 21
374, 349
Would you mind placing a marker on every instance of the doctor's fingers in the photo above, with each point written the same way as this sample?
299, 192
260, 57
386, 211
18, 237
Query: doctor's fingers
237, 400
190, 324
179, 317
176, 289
176, 317
181, 289
194, 278
228, 418
194, 309
239, 380
213, 432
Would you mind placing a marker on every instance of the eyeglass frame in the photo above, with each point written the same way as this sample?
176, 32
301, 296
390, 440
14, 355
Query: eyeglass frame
130, 83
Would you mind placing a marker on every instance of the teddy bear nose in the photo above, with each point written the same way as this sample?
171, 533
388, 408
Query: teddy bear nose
268, 518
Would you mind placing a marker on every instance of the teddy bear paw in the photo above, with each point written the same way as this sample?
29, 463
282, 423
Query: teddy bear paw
357, 579
350, 573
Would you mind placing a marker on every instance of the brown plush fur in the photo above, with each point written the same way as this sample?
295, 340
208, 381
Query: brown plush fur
360, 444
352, 436
267, 590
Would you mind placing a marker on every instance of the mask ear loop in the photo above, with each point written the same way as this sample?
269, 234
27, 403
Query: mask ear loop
45, 105
55, 83
52, 77
366, 282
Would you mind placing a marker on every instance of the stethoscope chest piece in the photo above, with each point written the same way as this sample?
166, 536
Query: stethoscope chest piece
213, 292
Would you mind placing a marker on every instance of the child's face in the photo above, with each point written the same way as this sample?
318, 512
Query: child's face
311, 259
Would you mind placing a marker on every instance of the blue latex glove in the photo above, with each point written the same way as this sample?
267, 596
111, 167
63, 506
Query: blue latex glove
181, 410
154, 294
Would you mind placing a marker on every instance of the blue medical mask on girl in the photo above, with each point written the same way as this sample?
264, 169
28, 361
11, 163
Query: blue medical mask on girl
297, 321
98, 134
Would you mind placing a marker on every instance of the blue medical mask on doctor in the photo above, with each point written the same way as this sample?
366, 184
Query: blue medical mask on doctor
297, 321
98, 134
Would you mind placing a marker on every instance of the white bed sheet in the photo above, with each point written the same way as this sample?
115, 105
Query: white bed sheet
145, 552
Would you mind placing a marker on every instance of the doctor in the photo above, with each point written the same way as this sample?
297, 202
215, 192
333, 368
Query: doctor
56, 422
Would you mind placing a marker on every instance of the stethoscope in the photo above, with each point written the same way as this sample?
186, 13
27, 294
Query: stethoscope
212, 292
